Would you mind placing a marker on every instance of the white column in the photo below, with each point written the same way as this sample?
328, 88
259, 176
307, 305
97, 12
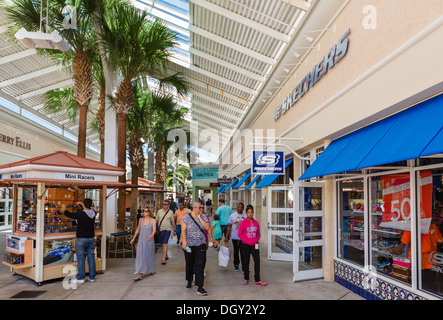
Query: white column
104, 227
110, 154
39, 232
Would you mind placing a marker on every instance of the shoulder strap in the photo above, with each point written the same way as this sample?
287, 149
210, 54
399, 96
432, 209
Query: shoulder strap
163, 218
196, 223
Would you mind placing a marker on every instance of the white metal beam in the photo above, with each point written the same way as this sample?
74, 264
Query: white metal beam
30, 75
17, 56
232, 45
217, 111
63, 84
202, 115
241, 19
224, 80
300, 4
212, 112
200, 96
228, 65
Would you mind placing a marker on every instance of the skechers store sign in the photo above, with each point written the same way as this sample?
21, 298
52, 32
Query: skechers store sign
335, 54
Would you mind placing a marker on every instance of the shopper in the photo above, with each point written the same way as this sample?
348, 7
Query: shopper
178, 216
194, 225
224, 212
216, 231
234, 223
145, 256
128, 214
85, 242
165, 218
249, 233
209, 206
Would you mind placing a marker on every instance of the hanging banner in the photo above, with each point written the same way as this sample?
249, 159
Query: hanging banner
268, 162
397, 201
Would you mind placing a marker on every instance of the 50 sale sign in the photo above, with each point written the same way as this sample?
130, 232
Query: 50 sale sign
397, 201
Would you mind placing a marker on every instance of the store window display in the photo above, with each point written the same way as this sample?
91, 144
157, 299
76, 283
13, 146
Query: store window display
351, 220
431, 240
389, 218
55, 221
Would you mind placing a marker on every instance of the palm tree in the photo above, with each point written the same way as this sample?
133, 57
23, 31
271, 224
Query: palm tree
164, 117
82, 41
135, 47
178, 175
137, 133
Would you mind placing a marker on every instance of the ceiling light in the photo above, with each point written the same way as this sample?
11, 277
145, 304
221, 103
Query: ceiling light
296, 54
42, 40
310, 39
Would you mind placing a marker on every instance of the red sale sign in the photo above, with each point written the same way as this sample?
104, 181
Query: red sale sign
397, 201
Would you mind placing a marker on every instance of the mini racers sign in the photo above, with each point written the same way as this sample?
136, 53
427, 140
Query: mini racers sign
397, 201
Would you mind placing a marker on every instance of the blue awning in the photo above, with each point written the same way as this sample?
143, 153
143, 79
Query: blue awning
220, 189
246, 176
252, 182
269, 179
410, 134
230, 185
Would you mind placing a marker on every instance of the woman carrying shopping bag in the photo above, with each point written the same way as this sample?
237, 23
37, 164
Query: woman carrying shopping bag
249, 233
194, 242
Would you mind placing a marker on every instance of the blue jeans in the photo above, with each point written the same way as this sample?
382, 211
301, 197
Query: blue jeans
85, 248
178, 229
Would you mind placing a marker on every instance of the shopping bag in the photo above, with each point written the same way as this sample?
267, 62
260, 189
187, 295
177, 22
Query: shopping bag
223, 256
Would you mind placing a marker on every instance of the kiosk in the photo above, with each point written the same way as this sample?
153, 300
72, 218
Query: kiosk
42, 244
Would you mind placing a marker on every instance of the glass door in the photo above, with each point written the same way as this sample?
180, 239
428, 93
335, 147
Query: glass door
6, 202
308, 231
280, 223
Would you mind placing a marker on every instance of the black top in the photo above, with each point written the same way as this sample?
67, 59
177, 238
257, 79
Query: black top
85, 224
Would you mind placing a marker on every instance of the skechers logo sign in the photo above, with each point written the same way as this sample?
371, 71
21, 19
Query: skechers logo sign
268, 162
268, 159
436, 258
334, 55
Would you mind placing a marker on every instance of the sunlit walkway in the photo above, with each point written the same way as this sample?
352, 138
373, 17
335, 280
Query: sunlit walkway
116, 283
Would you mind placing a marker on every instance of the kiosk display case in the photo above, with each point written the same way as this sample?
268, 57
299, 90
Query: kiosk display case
44, 236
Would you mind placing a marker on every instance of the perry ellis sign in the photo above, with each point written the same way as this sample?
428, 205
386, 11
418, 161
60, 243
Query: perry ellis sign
334, 55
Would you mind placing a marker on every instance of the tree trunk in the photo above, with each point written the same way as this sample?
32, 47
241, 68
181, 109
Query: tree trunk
82, 127
158, 176
83, 89
121, 163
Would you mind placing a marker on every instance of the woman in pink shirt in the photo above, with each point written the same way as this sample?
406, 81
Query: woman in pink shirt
249, 234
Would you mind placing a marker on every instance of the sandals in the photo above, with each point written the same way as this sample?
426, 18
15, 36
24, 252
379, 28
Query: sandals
261, 283
245, 282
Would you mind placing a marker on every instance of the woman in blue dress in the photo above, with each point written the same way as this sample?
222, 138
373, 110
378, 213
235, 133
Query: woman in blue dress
145, 256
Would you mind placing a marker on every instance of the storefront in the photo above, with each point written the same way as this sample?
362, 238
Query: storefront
42, 244
21, 138
367, 164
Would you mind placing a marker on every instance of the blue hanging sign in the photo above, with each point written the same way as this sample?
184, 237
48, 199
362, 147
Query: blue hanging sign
268, 162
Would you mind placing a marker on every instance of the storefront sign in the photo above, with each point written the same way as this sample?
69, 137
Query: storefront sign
78, 176
397, 202
268, 162
204, 173
334, 55
17, 175
224, 180
15, 141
